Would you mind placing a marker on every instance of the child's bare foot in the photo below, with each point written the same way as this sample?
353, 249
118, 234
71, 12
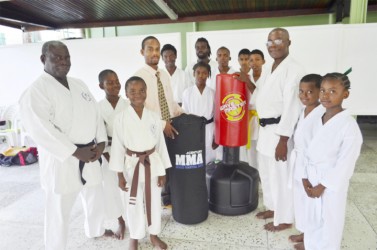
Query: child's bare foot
157, 242
297, 238
270, 227
299, 246
119, 234
265, 214
133, 244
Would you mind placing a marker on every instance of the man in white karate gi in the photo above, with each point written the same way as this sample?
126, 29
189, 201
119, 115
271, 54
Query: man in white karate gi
178, 78
62, 117
278, 107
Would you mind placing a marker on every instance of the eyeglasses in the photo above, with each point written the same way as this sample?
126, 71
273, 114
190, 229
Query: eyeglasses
276, 42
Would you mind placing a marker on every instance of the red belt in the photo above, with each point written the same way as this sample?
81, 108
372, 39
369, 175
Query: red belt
143, 159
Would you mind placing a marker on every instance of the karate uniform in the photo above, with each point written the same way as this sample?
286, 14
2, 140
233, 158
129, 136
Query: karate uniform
190, 72
331, 158
139, 135
277, 96
202, 104
179, 82
113, 200
304, 132
57, 118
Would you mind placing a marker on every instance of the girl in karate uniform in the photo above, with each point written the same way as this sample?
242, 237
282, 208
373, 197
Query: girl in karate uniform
109, 107
199, 100
304, 132
140, 156
330, 162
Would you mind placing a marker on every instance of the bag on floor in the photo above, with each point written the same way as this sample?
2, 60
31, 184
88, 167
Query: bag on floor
18, 156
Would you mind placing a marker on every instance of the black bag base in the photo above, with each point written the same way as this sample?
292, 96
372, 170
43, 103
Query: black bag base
233, 189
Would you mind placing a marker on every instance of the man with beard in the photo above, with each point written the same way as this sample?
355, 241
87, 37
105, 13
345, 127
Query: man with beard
159, 94
203, 52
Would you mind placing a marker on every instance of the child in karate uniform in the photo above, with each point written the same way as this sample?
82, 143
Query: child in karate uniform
140, 156
109, 107
304, 132
199, 100
330, 162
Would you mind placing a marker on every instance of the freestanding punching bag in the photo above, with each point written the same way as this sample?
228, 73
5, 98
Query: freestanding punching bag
189, 196
232, 185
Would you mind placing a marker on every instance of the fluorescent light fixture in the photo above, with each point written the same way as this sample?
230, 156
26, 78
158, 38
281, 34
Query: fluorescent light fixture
165, 8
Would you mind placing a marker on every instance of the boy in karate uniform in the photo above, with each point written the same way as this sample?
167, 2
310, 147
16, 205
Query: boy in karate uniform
109, 107
304, 132
140, 157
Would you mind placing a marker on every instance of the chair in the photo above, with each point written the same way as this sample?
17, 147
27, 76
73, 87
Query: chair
10, 132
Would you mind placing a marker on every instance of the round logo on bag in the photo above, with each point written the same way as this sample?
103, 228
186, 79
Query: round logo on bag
233, 107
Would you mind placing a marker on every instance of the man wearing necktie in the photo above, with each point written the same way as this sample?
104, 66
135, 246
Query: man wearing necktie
159, 94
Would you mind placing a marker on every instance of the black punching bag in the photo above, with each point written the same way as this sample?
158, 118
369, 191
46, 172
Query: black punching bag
188, 188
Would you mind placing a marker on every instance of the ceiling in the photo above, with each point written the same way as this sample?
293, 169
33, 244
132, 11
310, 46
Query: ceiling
32, 15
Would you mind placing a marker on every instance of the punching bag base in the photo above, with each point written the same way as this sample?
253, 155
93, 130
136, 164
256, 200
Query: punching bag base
233, 189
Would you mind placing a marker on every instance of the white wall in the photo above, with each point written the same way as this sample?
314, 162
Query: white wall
20, 64
320, 49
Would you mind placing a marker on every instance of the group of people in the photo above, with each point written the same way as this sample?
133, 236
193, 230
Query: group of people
113, 153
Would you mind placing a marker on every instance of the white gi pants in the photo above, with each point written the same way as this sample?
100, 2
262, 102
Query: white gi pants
58, 210
249, 155
328, 234
136, 214
113, 194
276, 194
299, 200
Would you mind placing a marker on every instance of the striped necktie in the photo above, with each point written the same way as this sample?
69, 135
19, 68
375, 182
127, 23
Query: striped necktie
165, 114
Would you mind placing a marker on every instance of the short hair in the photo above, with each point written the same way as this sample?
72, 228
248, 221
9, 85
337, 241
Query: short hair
104, 73
168, 47
340, 77
134, 78
244, 52
224, 48
257, 52
315, 78
281, 30
46, 46
203, 40
146, 39
204, 65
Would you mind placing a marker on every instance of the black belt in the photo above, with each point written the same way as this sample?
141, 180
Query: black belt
268, 121
209, 121
109, 140
82, 163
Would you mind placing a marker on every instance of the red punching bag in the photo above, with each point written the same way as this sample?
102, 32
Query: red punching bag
231, 116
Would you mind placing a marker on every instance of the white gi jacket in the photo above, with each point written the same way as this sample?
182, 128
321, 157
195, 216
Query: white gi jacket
139, 135
179, 82
202, 104
305, 130
57, 118
278, 96
108, 114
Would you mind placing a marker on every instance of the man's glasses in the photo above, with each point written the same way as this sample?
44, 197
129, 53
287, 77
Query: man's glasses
276, 42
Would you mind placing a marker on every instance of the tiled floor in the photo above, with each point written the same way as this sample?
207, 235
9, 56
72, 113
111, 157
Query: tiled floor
21, 216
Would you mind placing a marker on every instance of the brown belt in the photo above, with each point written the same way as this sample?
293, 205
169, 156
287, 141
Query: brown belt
143, 159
